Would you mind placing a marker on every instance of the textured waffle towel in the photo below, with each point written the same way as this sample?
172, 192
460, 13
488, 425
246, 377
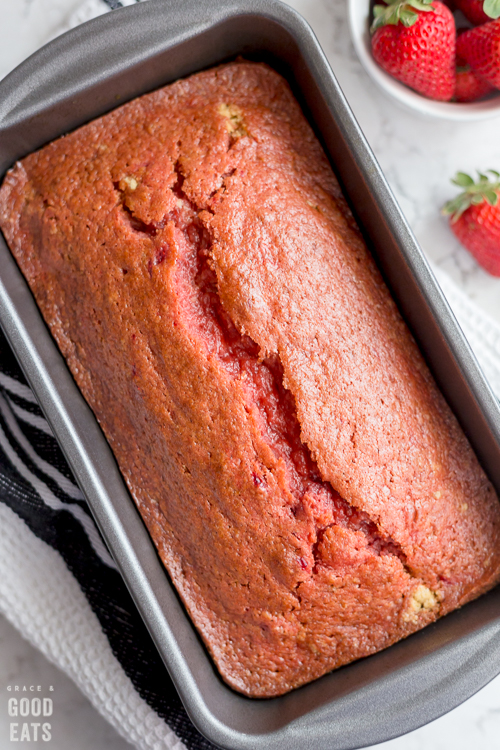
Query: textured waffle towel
58, 583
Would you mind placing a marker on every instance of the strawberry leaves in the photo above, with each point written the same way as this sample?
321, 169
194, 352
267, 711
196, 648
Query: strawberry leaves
474, 193
492, 8
401, 11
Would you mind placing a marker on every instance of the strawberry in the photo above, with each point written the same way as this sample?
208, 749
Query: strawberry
479, 11
414, 41
475, 218
468, 87
480, 47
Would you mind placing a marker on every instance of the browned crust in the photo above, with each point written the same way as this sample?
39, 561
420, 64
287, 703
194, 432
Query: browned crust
295, 276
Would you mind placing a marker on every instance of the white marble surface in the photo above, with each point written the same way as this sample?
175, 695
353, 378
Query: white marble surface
418, 156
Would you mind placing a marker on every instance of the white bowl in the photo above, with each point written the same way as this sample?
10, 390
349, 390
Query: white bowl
359, 22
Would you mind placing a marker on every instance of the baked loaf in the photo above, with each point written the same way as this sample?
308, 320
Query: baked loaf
307, 487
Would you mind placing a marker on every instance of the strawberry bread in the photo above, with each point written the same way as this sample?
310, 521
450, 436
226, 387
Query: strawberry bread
307, 487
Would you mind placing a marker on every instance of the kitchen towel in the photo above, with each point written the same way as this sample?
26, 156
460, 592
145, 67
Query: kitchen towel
58, 583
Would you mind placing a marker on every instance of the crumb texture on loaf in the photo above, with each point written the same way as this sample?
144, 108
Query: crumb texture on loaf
309, 491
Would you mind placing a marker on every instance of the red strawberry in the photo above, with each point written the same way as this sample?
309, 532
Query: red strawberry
468, 87
414, 41
479, 11
475, 218
480, 47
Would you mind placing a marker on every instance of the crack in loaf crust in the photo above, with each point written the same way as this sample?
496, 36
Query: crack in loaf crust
308, 489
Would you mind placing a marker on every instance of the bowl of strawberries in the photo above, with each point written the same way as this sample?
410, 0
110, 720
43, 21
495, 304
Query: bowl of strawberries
441, 59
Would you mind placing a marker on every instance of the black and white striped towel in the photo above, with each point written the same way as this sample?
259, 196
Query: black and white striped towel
36, 485
58, 583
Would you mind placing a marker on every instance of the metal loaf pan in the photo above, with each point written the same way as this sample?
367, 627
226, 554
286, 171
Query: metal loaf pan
88, 72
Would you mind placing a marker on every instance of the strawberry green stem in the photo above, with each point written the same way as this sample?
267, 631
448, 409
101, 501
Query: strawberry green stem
401, 11
473, 193
492, 8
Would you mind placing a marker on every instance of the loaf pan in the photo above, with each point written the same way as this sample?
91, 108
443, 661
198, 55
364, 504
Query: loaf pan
89, 71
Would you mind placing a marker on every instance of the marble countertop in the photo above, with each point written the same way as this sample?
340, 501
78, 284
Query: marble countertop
418, 156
